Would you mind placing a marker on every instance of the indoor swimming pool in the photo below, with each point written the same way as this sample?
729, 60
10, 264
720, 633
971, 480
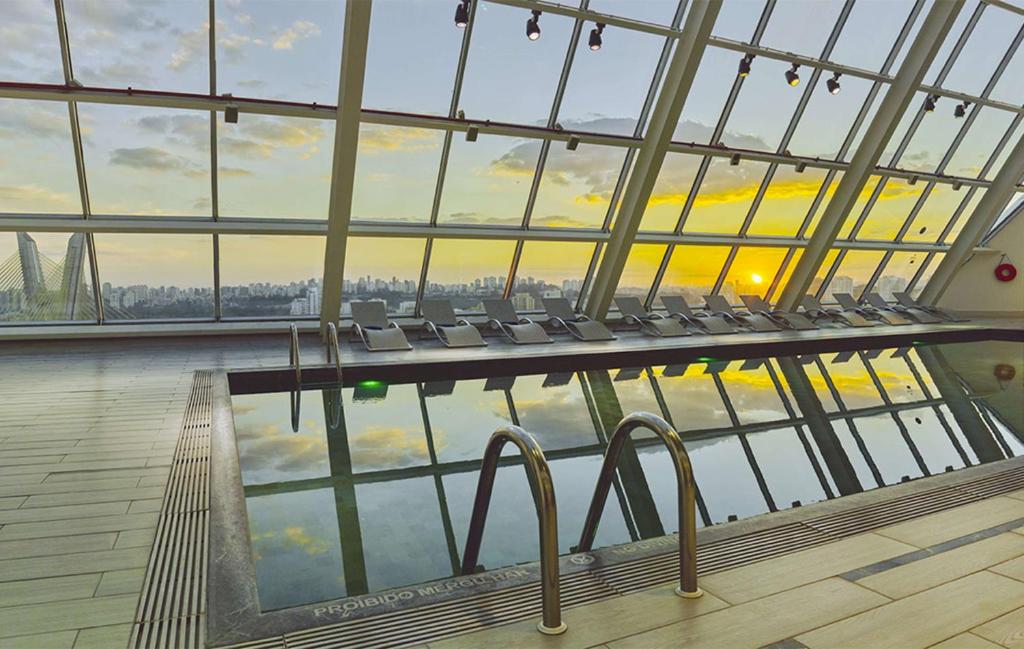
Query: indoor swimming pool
373, 487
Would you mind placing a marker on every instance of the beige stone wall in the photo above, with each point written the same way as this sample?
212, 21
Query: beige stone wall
975, 287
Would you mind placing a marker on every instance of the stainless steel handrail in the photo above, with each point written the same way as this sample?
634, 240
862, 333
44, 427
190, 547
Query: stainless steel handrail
543, 489
293, 354
687, 494
333, 345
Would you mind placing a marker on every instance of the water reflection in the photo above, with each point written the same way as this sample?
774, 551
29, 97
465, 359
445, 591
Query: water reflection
375, 489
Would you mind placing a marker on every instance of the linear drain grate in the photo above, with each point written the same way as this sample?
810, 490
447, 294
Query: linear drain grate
171, 611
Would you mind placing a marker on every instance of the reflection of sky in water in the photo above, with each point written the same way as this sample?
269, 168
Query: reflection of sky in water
402, 526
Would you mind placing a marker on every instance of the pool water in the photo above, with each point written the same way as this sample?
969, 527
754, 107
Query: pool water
375, 489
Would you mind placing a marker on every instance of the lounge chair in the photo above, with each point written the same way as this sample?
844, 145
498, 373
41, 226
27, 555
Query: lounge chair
905, 299
561, 314
370, 322
521, 331
709, 324
889, 316
817, 312
439, 318
718, 305
918, 315
757, 304
654, 324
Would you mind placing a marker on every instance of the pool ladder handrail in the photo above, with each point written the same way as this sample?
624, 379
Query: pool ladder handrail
542, 487
334, 346
687, 494
296, 362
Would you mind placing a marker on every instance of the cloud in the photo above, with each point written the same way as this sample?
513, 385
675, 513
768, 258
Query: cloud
251, 83
35, 197
18, 119
374, 138
292, 133
192, 130
233, 172
559, 221
391, 447
153, 159
299, 30
191, 44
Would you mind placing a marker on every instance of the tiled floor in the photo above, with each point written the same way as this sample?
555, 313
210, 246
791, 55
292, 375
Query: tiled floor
87, 431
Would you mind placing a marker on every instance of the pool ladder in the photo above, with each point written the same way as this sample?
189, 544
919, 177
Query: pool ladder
333, 351
542, 487
295, 362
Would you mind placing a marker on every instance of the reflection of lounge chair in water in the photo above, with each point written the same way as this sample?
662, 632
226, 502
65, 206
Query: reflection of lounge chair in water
561, 314
816, 311
370, 322
787, 319
655, 324
521, 331
439, 318
720, 306
709, 324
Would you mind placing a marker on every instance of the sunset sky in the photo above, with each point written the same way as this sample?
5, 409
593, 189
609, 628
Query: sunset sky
150, 161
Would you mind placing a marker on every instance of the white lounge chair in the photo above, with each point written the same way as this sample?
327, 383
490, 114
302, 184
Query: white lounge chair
905, 299
370, 322
654, 324
816, 311
709, 324
756, 304
888, 316
720, 306
521, 331
560, 313
919, 315
439, 318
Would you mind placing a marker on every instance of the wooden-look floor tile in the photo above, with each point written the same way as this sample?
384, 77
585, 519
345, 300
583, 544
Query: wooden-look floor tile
1006, 630
954, 523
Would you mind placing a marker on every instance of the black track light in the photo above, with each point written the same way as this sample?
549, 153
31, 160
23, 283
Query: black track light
833, 84
462, 13
595, 37
533, 26
929, 103
961, 109
792, 78
745, 64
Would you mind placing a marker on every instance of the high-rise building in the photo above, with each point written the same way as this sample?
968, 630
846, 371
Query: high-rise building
72, 283
31, 269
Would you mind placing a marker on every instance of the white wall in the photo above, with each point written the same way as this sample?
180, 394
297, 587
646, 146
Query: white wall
975, 287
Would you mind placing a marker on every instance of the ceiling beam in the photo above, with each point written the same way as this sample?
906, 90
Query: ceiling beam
919, 57
978, 224
346, 145
664, 118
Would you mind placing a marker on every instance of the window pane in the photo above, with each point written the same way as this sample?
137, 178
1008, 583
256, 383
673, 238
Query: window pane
502, 63
962, 18
786, 201
467, 271
978, 145
764, 107
413, 84
488, 181
752, 272
813, 225
858, 206
929, 270
710, 89
577, 186
159, 44
890, 211
381, 269
936, 212
692, 272
147, 161
264, 276
275, 166
625, 62
855, 270
898, 272
38, 135
280, 50
983, 50
932, 139
670, 191
960, 220
552, 269
641, 267
161, 277
45, 277
725, 196
1009, 87
651, 11
801, 26
819, 275
390, 157
828, 118
866, 41
737, 20
31, 51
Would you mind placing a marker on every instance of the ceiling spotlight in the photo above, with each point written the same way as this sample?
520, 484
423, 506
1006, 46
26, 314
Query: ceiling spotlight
231, 114
961, 109
912, 180
745, 64
573, 143
595, 37
734, 161
800, 167
471, 133
533, 26
462, 14
833, 84
957, 185
929, 103
792, 78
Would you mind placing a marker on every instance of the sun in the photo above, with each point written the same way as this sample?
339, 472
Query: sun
757, 278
